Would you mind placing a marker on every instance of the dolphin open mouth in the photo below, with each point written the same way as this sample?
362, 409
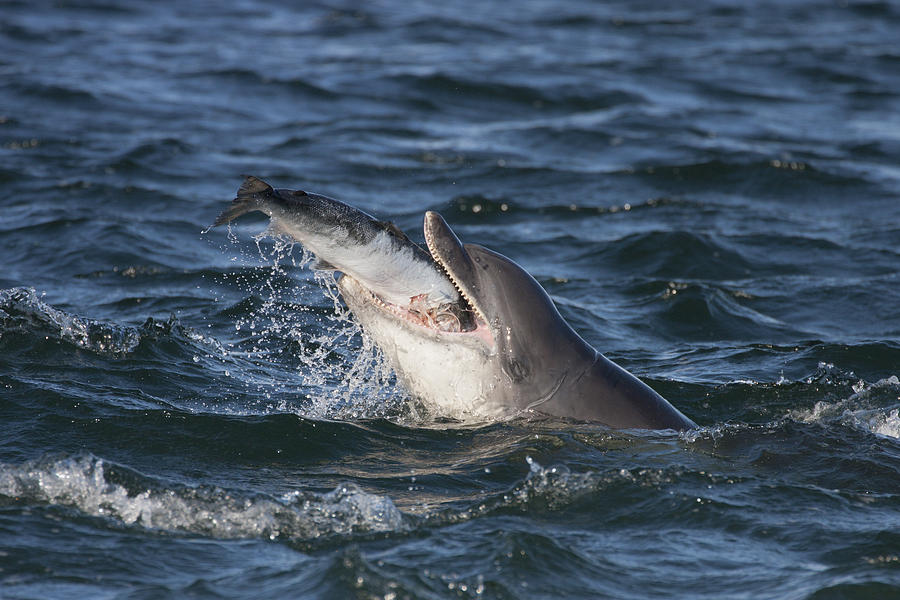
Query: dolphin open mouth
435, 226
463, 317
447, 318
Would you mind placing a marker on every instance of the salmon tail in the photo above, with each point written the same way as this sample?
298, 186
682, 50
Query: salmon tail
249, 197
253, 185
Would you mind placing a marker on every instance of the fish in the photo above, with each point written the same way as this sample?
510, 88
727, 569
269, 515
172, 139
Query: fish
397, 271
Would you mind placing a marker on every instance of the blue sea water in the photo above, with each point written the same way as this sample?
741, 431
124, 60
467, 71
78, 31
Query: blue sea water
708, 192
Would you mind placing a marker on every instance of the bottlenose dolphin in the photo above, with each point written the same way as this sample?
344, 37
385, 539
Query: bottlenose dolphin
512, 350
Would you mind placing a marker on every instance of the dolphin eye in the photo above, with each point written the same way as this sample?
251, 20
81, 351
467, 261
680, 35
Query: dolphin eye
299, 193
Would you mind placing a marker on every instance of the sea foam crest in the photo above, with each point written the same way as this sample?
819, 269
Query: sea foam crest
97, 488
557, 488
21, 309
861, 409
23, 312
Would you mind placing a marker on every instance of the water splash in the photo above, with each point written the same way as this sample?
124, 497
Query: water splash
864, 409
344, 373
887, 425
827, 373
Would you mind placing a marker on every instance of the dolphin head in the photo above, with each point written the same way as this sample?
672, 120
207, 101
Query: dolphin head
517, 354
532, 345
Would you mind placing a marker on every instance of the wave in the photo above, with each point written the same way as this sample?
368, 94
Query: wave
864, 409
435, 85
104, 489
840, 451
450, 29
23, 311
718, 481
830, 396
26, 317
101, 489
702, 312
695, 380
556, 488
67, 95
242, 76
753, 176
287, 357
687, 255
154, 156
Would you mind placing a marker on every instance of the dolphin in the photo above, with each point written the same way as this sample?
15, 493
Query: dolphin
464, 327
521, 355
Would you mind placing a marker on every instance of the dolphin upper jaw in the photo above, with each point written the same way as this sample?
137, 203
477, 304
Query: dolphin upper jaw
450, 255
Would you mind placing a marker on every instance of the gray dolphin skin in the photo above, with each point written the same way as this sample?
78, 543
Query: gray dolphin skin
541, 363
508, 349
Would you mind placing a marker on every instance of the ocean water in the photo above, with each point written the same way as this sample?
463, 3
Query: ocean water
709, 193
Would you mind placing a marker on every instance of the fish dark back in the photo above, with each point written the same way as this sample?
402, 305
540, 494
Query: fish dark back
327, 214
315, 213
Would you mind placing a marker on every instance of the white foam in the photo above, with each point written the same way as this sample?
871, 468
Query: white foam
887, 425
83, 483
23, 308
860, 409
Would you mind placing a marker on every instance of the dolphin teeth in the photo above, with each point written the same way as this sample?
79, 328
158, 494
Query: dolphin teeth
429, 242
462, 292
395, 310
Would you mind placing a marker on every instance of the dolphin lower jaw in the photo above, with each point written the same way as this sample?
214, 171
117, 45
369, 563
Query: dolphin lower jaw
452, 371
409, 316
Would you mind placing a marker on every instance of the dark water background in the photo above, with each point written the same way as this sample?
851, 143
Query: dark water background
710, 195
